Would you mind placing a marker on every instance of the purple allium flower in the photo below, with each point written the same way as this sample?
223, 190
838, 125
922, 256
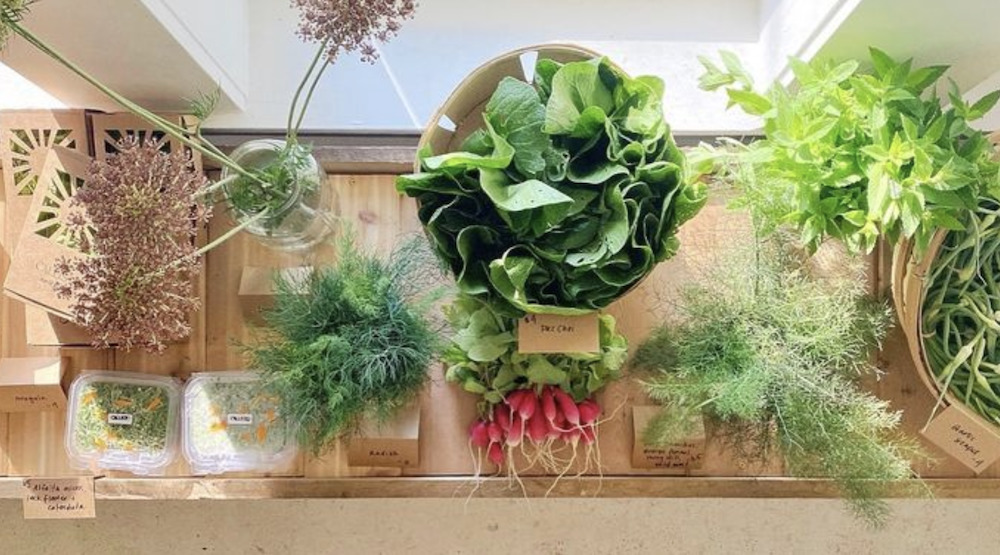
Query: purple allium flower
352, 25
134, 286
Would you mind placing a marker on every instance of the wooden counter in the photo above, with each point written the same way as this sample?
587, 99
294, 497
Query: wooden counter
32, 444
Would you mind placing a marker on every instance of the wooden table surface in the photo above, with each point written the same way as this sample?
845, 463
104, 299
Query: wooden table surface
31, 444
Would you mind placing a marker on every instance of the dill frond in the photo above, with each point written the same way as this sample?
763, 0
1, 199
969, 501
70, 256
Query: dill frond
352, 341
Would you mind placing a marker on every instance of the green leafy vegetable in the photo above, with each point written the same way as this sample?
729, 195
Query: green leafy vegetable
855, 154
568, 196
772, 353
352, 341
483, 356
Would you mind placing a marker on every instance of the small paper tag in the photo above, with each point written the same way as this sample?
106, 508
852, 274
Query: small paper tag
964, 438
386, 452
119, 419
550, 333
51, 498
239, 419
679, 458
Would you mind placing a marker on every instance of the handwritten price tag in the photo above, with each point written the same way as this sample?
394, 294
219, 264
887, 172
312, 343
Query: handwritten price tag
680, 458
549, 333
964, 438
52, 498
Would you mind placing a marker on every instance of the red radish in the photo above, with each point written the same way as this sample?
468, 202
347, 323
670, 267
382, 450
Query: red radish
589, 412
501, 415
515, 398
548, 404
560, 421
495, 454
538, 428
495, 433
516, 431
529, 404
567, 406
572, 436
478, 434
589, 434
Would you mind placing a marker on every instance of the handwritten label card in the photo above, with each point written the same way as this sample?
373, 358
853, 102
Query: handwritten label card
549, 333
680, 458
51, 498
964, 438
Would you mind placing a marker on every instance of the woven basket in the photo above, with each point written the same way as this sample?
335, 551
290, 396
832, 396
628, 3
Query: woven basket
464, 108
909, 276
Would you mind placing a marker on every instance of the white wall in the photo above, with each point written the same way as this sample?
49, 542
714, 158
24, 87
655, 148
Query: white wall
17, 93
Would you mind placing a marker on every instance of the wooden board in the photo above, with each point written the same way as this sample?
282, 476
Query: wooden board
380, 218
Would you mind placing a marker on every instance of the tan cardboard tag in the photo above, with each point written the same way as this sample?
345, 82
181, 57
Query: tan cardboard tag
55, 498
256, 291
681, 458
31, 384
393, 444
963, 437
550, 333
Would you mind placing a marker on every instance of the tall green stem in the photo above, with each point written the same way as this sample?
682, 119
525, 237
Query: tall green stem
292, 132
305, 104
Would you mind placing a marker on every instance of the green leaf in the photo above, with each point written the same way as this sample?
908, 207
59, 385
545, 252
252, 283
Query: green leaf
519, 197
575, 87
924, 77
516, 113
749, 101
883, 63
541, 371
984, 105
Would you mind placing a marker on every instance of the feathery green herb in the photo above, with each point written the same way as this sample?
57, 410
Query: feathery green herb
774, 355
352, 340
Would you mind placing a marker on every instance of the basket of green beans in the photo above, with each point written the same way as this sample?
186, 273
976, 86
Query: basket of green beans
948, 300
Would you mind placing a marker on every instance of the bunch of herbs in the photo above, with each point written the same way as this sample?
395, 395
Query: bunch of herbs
350, 341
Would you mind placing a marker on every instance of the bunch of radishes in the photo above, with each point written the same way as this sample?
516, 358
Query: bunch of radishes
544, 418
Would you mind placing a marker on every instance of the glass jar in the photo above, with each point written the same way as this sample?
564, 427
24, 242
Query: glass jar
300, 205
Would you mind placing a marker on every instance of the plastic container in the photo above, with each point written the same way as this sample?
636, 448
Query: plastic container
232, 423
123, 421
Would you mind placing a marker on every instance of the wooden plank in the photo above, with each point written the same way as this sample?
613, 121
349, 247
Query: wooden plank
191, 489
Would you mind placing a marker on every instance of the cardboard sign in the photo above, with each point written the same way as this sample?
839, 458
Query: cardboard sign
256, 291
393, 444
31, 384
549, 333
45, 237
964, 437
681, 458
53, 498
44, 329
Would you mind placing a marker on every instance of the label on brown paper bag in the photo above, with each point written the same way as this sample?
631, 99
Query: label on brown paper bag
964, 438
679, 458
54, 498
551, 333
392, 444
31, 384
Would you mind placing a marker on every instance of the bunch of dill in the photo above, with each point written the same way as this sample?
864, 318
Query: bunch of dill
352, 340
774, 356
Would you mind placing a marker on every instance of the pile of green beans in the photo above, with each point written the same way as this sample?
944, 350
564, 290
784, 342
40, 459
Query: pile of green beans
961, 313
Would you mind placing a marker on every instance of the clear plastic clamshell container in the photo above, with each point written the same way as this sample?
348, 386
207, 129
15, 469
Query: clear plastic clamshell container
122, 421
232, 423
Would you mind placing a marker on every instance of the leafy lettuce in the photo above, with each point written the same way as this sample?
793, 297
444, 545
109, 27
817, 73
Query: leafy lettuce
568, 195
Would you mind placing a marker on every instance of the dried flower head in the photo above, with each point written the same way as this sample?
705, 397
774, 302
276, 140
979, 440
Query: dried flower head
134, 286
352, 25
11, 11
